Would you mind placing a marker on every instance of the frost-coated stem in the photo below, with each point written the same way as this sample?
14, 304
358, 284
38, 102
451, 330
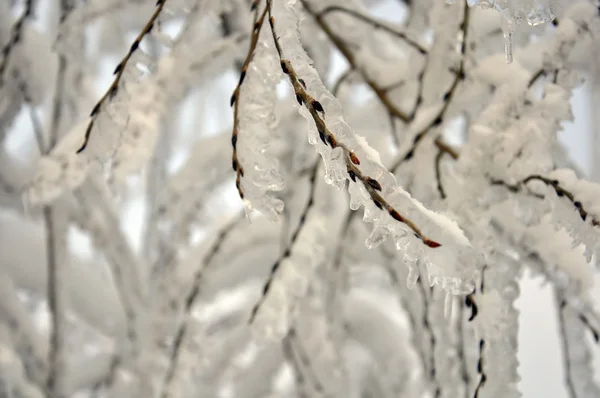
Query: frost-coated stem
56, 230
565, 347
287, 252
577, 360
56, 246
15, 36
459, 76
189, 301
235, 97
315, 108
114, 87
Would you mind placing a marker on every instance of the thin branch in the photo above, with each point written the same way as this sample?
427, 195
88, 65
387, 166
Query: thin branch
481, 360
289, 354
443, 148
375, 23
288, 251
315, 108
480, 369
190, 299
460, 350
438, 174
343, 48
119, 70
566, 355
15, 37
302, 360
235, 97
432, 340
448, 96
56, 365
554, 184
55, 243
340, 81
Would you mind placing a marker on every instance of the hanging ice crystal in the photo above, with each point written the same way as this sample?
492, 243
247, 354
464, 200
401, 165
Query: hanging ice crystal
535, 12
508, 45
448, 305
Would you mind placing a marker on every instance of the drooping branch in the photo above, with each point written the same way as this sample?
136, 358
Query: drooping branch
376, 24
288, 251
118, 72
438, 119
556, 186
235, 97
372, 186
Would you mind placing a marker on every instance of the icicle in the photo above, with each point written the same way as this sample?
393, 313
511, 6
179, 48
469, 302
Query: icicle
413, 275
508, 45
448, 305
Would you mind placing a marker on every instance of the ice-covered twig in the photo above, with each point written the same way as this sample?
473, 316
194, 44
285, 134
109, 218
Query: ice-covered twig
190, 300
235, 97
15, 37
56, 230
28, 342
119, 70
427, 326
306, 375
315, 108
349, 158
102, 222
56, 226
470, 302
285, 257
438, 118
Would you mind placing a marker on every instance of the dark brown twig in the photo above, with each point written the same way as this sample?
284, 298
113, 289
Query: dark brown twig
432, 340
372, 186
443, 148
481, 359
114, 87
235, 97
288, 251
554, 184
565, 347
